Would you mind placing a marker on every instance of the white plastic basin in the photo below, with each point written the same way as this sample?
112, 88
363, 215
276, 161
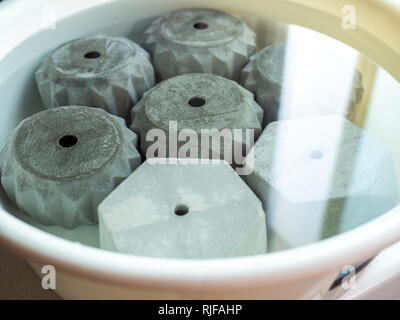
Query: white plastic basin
83, 270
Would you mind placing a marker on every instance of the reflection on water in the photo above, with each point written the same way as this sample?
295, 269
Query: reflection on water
320, 176
317, 170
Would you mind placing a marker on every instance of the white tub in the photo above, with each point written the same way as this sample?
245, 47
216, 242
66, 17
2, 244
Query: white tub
86, 272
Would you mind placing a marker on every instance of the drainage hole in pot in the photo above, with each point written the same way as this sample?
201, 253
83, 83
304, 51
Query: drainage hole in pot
197, 102
92, 55
181, 210
316, 154
200, 25
68, 141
